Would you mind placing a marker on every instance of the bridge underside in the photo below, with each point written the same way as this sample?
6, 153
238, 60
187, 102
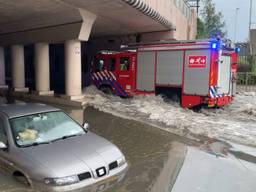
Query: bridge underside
29, 21
43, 25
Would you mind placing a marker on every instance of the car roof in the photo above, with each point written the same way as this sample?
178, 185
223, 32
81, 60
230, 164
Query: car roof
23, 109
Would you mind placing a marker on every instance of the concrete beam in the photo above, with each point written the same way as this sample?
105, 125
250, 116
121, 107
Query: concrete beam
88, 21
143, 7
79, 29
51, 34
157, 36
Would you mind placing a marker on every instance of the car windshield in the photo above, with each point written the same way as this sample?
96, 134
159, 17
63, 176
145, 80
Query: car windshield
44, 128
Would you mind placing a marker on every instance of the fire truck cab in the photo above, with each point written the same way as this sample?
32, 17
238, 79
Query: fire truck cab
203, 72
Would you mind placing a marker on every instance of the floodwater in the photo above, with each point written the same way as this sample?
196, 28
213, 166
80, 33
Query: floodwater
234, 123
154, 156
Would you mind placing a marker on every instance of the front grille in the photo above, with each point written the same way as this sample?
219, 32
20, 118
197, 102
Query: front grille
84, 176
113, 165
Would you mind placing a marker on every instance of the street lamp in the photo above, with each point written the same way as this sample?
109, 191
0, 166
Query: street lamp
250, 16
250, 23
235, 31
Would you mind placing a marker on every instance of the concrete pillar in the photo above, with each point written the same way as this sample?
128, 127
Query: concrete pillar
73, 67
42, 69
2, 69
18, 69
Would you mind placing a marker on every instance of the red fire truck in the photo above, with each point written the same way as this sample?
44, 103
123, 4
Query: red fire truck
201, 72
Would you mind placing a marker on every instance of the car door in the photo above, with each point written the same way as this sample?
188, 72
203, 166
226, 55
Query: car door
6, 165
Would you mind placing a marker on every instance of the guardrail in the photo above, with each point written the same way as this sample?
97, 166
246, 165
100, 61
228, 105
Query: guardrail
246, 82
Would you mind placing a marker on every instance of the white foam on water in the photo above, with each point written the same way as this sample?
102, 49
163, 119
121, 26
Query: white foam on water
236, 122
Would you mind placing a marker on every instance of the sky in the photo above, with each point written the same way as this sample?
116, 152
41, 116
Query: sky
228, 9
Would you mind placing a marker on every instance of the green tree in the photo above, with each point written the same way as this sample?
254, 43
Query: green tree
201, 33
211, 24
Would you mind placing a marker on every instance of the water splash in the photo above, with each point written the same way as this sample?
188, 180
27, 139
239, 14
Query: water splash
235, 123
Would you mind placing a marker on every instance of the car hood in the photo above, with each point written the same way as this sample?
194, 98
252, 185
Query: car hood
74, 155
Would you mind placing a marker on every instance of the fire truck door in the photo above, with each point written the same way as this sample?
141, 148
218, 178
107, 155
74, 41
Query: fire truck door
124, 76
224, 75
146, 71
196, 74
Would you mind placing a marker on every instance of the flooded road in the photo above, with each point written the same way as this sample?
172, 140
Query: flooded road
154, 156
8, 184
235, 123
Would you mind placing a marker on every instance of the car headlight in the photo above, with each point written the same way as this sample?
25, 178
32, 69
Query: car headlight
62, 181
121, 161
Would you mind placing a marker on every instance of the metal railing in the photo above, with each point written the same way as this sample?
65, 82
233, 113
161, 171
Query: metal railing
246, 82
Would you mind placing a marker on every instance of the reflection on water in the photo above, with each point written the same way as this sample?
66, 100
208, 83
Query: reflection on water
153, 155
76, 114
8, 184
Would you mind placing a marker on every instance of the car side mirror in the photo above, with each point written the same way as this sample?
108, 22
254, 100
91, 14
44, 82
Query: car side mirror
86, 126
3, 145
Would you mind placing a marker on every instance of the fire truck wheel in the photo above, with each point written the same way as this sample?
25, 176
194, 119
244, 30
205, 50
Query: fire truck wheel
176, 98
107, 90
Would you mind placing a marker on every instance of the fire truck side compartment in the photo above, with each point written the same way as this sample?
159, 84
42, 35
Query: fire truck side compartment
146, 71
224, 75
169, 68
196, 80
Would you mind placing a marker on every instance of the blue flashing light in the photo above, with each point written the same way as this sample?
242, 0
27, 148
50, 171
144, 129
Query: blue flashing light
238, 50
214, 46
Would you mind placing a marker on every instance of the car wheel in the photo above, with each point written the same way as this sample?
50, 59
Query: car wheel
20, 177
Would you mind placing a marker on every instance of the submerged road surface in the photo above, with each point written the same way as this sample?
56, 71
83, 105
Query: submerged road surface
160, 161
154, 156
235, 123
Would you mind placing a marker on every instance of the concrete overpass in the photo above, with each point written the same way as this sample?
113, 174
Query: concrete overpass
70, 22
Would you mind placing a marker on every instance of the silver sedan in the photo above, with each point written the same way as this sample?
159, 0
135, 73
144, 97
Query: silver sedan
44, 147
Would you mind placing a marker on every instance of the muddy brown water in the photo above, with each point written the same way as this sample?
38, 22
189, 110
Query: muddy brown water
154, 156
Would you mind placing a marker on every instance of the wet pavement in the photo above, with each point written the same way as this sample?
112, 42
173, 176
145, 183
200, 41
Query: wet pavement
155, 157
9, 184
